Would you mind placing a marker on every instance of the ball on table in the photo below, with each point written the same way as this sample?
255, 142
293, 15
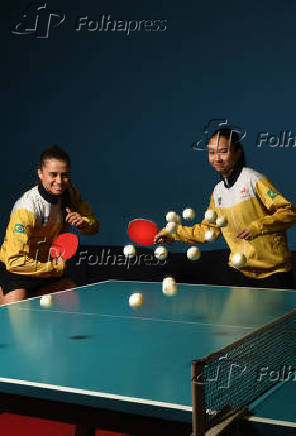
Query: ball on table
169, 286
46, 300
136, 299
210, 216
193, 253
129, 251
210, 235
188, 214
161, 252
171, 227
239, 260
171, 216
221, 221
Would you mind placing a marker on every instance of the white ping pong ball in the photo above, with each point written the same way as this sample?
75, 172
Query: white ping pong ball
221, 221
169, 280
188, 214
210, 216
239, 260
129, 251
210, 235
161, 252
193, 253
171, 216
136, 299
171, 227
46, 300
169, 289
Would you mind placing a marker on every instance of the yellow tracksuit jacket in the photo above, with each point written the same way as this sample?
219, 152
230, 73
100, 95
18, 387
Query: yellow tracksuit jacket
251, 202
35, 221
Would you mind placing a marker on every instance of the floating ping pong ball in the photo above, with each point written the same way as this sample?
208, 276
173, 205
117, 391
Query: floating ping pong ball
169, 280
171, 227
239, 260
129, 251
169, 288
221, 221
188, 214
210, 235
46, 301
161, 252
210, 216
171, 216
136, 299
193, 253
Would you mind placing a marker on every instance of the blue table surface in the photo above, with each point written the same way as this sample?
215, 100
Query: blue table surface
91, 347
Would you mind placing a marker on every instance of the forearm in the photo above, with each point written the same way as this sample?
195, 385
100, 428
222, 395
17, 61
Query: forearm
279, 221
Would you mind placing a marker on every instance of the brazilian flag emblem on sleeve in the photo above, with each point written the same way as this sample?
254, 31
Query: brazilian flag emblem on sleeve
271, 194
19, 228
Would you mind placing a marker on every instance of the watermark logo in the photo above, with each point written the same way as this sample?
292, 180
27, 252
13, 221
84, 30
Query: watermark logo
37, 20
105, 23
226, 373
213, 125
283, 374
107, 258
284, 139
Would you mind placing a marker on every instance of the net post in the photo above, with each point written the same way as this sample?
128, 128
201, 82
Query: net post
198, 398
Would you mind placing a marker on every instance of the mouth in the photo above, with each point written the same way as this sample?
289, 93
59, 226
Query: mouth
57, 189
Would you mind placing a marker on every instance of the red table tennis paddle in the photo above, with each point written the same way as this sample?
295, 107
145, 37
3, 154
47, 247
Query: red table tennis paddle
142, 231
65, 246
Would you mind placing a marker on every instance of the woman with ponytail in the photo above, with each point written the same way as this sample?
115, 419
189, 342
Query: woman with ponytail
37, 218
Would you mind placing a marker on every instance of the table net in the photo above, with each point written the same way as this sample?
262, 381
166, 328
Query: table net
238, 374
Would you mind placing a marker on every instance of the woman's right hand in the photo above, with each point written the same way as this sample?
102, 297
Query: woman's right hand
163, 238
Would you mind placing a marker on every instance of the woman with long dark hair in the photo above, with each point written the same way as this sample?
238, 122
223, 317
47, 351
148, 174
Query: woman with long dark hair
255, 214
37, 218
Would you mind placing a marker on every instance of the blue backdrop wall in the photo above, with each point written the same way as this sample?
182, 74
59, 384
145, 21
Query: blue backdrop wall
127, 107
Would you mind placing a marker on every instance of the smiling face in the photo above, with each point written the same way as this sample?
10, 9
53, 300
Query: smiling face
54, 176
222, 156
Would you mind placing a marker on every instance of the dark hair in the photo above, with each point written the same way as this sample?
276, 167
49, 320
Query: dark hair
54, 152
232, 135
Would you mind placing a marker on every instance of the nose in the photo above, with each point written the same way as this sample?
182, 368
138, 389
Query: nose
59, 179
218, 157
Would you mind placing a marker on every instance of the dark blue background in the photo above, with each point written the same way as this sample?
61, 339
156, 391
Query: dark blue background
128, 108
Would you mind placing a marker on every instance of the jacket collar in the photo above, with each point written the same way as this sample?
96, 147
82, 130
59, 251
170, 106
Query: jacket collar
230, 181
53, 199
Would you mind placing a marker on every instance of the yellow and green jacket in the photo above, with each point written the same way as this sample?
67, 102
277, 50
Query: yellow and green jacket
35, 221
248, 200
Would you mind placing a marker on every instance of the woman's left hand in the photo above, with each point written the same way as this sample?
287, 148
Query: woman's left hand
74, 219
244, 234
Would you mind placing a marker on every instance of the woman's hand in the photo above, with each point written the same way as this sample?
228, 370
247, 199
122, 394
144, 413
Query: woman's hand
244, 234
162, 238
74, 219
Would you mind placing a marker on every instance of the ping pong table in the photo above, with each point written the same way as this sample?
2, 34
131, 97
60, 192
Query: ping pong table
93, 360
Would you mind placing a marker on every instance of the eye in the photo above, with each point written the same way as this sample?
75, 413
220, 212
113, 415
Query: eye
53, 174
65, 175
